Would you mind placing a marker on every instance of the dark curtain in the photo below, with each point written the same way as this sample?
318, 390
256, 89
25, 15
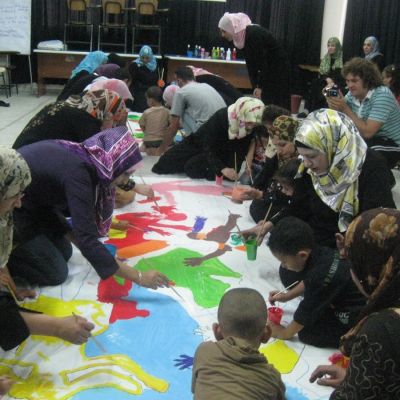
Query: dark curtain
372, 18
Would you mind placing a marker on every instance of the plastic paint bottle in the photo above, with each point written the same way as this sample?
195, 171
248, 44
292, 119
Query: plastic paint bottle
228, 55
234, 54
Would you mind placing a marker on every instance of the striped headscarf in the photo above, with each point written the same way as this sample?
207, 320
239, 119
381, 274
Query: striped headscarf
245, 109
235, 24
104, 105
372, 245
326, 63
15, 176
111, 152
335, 135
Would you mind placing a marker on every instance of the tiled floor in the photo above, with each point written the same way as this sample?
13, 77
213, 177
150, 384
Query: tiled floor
25, 105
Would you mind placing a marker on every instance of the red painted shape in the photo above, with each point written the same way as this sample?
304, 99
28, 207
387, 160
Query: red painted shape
110, 291
149, 200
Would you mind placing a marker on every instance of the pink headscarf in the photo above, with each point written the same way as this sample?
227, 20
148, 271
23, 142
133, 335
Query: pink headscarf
115, 85
199, 71
169, 94
235, 24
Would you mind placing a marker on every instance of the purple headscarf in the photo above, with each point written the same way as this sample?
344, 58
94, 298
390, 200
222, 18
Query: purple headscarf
107, 70
111, 152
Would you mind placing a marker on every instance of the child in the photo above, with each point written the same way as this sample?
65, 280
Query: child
331, 300
155, 120
255, 157
232, 367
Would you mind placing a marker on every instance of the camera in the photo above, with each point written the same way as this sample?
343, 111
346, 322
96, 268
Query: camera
332, 91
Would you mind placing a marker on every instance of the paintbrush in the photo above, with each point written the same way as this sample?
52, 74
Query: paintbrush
12, 294
286, 288
153, 199
95, 341
237, 226
263, 222
251, 175
236, 178
169, 284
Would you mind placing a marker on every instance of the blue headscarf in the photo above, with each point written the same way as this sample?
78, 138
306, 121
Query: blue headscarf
375, 47
90, 62
146, 51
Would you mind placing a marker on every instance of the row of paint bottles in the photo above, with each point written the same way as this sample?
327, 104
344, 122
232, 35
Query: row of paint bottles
219, 53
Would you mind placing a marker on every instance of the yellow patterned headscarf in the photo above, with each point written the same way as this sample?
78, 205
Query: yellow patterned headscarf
245, 109
335, 135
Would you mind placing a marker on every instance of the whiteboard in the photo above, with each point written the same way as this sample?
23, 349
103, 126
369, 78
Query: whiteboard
15, 26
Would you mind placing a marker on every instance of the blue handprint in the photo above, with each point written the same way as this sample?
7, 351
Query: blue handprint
184, 361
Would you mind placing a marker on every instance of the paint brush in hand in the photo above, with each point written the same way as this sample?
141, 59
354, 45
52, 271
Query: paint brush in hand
284, 290
250, 173
263, 223
237, 226
95, 341
153, 199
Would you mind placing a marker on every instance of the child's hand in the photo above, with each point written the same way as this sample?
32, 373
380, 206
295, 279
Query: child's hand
153, 280
121, 225
144, 190
251, 194
5, 384
274, 296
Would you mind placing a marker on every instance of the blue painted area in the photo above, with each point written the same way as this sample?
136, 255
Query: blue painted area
199, 224
152, 342
293, 393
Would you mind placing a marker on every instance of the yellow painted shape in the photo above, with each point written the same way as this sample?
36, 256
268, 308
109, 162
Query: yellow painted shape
281, 356
43, 356
116, 234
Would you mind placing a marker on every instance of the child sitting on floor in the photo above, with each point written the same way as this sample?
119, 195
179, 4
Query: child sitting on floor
331, 300
232, 367
155, 120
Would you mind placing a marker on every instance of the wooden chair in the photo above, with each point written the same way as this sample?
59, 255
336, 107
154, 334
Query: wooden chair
78, 19
113, 19
146, 20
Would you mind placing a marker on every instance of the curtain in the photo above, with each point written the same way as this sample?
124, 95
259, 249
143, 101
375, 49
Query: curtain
372, 18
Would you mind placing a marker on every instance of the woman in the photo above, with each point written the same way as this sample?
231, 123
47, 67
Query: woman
282, 133
16, 323
267, 62
218, 147
338, 178
113, 85
76, 119
333, 59
372, 52
372, 246
89, 64
391, 79
228, 92
144, 74
78, 180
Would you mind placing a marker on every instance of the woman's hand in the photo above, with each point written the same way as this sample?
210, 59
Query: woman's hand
335, 375
230, 173
121, 225
258, 231
153, 279
257, 93
74, 329
144, 190
251, 194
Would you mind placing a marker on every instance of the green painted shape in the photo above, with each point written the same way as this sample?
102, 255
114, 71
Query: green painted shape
207, 290
138, 135
134, 117
119, 280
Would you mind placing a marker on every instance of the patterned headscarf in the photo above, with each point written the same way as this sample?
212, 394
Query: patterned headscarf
375, 47
107, 70
285, 128
245, 109
113, 85
235, 24
199, 71
326, 66
15, 176
373, 247
112, 152
335, 135
146, 51
92, 61
103, 105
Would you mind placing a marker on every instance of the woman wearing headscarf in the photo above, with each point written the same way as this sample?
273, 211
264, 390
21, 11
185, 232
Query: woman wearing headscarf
144, 73
372, 52
227, 91
339, 177
76, 119
211, 151
16, 324
78, 180
169, 93
372, 245
113, 85
333, 59
267, 62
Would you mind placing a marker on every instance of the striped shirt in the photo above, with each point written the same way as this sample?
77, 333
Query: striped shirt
379, 105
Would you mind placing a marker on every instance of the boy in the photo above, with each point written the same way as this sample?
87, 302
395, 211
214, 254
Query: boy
232, 368
155, 120
331, 300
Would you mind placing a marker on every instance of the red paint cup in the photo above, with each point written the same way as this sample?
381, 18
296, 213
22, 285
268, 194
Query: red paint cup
275, 315
219, 180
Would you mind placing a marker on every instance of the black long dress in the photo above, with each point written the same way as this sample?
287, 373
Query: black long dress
268, 66
142, 79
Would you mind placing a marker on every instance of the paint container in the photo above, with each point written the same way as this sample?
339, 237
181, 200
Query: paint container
219, 179
275, 315
111, 248
237, 193
251, 249
189, 53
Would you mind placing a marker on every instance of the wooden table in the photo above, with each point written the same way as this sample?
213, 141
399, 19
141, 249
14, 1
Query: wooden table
59, 65
235, 72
